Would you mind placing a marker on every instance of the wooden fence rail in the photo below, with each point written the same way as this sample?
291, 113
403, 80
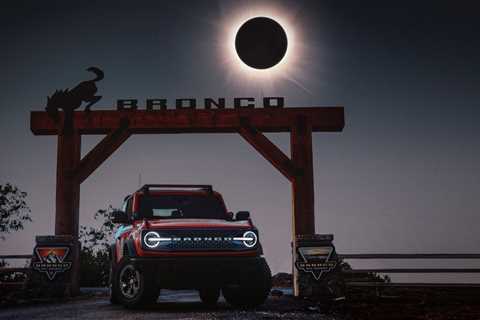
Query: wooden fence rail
408, 256
16, 256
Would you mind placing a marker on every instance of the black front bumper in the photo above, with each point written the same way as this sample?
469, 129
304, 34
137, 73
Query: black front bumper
198, 272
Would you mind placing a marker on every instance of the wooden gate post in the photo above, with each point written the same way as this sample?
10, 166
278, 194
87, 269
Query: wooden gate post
303, 222
68, 197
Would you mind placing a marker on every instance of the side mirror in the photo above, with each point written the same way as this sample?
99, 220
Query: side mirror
229, 216
242, 215
119, 216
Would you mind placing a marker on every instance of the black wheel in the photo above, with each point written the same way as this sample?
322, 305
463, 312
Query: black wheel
209, 296
131, 287
252, 290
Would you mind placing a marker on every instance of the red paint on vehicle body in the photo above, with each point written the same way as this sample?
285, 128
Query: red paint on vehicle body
159, 224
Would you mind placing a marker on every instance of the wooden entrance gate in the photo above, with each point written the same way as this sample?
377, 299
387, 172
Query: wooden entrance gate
250, 123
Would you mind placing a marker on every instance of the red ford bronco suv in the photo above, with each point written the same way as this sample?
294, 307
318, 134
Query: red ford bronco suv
183, 237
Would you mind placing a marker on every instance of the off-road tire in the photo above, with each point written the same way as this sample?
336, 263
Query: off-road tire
209, 296
252, 290
143, 292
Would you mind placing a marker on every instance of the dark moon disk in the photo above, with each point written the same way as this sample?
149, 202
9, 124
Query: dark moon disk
261, 43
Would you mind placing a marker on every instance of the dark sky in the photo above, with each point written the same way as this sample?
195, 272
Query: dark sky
403, 176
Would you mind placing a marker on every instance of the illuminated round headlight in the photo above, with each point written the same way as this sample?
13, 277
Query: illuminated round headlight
151, 239
250, 239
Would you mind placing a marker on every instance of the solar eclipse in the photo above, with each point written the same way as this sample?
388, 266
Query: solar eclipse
261, 43
261, 47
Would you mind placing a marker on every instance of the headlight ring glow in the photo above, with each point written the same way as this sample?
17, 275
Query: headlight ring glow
249, 239
152, 239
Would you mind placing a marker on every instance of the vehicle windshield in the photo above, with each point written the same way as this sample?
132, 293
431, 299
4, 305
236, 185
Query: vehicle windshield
181, 206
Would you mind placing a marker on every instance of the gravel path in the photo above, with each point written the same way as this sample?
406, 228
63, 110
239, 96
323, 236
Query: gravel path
171, 305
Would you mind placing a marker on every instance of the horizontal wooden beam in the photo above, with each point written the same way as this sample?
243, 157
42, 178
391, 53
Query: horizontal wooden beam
328, 119
268, 150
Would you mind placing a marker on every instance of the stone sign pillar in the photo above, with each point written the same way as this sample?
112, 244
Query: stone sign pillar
315, 263
51, 263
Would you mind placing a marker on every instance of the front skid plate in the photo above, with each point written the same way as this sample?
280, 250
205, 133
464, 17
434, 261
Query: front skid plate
199, 272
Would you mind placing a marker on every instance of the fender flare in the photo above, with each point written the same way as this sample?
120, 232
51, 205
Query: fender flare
130, 247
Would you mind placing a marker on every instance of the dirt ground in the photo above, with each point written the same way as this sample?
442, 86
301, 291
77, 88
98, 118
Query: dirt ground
186, 305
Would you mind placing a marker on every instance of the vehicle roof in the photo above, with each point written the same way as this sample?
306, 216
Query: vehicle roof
179, 192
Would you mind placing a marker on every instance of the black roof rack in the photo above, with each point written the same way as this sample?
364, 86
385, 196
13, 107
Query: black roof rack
146, 188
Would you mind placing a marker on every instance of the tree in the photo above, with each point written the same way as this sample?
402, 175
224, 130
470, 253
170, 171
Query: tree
98, 238
14, 211
95, 253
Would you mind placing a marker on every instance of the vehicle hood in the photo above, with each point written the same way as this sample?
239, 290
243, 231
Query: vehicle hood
197, 223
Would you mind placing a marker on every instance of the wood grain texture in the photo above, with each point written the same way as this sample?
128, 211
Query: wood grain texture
327, 119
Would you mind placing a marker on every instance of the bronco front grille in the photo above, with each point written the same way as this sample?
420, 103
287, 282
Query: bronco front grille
193, 240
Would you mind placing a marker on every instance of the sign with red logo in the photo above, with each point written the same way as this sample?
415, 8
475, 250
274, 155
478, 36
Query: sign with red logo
51, 260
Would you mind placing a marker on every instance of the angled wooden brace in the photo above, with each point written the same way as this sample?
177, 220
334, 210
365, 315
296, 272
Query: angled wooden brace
102, 151
267, 149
